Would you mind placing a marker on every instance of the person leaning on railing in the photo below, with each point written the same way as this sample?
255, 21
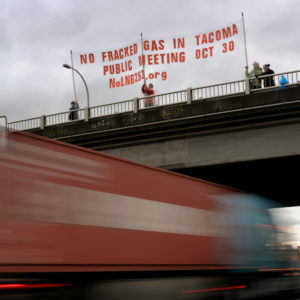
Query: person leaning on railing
73, 114
255, 82
268, 81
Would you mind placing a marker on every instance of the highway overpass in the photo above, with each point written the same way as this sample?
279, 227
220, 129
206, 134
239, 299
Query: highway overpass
246, 140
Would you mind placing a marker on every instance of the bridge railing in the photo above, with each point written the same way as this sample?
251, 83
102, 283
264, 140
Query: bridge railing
45, 120
164, 99
111, 109
134, 105
21, 125
293, 77
219, 90
63, 117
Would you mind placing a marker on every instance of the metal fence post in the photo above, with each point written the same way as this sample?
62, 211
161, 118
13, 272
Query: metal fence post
136, 104
189, 95
247, 86
86, 114
42, 121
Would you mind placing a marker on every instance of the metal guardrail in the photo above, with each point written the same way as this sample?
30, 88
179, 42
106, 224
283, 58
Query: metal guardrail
111, 109
219, 90
293, 77
134, 105
165, 99
25, 124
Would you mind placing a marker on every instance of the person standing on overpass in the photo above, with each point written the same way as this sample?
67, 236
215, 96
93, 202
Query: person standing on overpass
255, 81
268, 81
73, 114
148, 91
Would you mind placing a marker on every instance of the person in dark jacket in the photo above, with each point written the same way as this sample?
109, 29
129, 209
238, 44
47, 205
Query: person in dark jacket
268, 81
73, 114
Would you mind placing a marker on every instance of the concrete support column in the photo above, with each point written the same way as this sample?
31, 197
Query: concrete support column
136, 104
86, 114
42, 121
189, 93
247, 86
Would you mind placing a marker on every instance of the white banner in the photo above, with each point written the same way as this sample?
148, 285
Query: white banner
172, 62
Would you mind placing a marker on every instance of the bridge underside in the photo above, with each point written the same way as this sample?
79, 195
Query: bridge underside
262, 160
248, 142
275, 178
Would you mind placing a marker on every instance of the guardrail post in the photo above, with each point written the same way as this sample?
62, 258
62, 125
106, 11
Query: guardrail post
189, 95
247, 86
86, 114
136, 104
42, 121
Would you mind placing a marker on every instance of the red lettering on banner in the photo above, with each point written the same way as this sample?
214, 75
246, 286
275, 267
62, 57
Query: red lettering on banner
91, 58
226, 32
117, 68
105, 70
204, 39
204, 53
150, 57
84, 59
217, 35
161, 44
154, 45
162, 58
234, 30
126, 80
119, 53
103, 54
179, 43
211, 37
228, 46
110, 55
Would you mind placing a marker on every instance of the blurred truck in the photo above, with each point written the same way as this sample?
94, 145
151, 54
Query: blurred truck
72, 218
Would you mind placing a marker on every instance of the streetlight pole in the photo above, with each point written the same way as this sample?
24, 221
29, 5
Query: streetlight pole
87, 90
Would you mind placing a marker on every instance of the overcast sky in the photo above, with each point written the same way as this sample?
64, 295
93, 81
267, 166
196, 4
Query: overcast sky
37, 36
